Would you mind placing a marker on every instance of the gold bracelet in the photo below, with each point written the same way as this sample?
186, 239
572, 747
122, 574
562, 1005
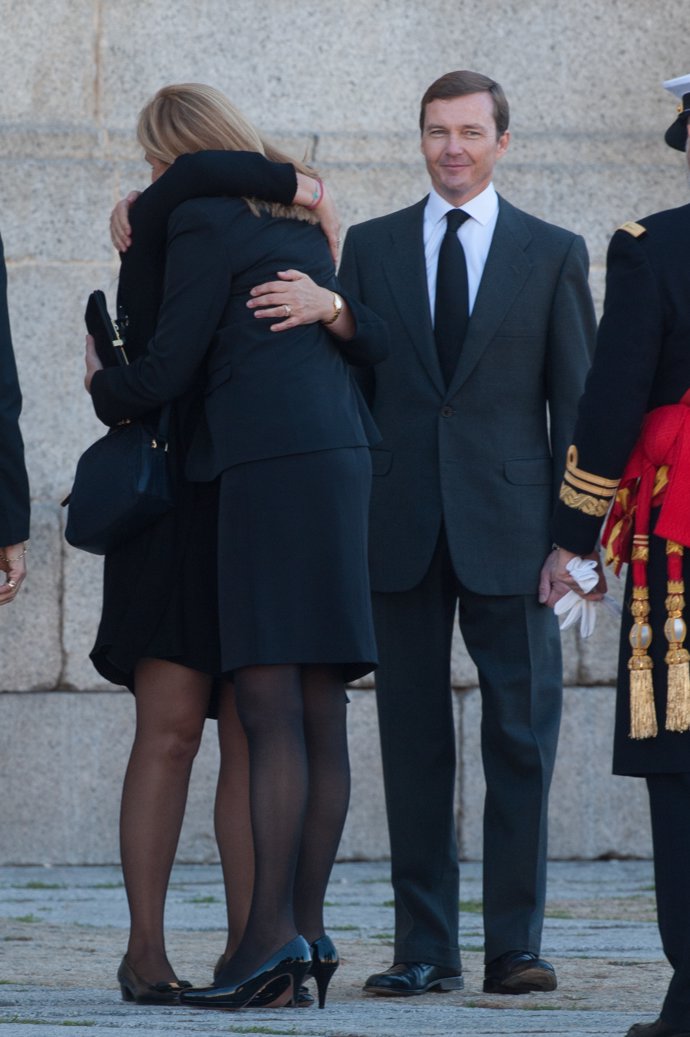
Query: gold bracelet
15, 558
337, 310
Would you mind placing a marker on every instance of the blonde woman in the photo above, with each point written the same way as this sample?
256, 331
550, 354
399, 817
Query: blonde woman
278, 453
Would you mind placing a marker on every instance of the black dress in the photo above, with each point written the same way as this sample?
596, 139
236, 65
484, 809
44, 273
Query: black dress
159, 589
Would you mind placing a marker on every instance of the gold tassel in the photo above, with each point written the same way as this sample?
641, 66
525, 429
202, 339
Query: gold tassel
677, 656
678, 702
642, 712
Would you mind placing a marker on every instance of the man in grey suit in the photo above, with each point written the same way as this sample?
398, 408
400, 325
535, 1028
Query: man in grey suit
476, 404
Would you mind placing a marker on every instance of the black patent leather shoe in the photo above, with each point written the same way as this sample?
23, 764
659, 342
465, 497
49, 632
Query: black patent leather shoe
138, 990
414, 977
324, 962
658, 1029
274, 995
291, 961
519, 972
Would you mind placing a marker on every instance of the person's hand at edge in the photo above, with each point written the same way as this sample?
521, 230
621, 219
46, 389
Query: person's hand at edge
13, 564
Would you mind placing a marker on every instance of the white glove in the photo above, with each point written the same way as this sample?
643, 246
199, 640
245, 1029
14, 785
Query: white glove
571, 607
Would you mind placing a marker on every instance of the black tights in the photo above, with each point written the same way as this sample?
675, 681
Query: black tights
294, 720
171, 703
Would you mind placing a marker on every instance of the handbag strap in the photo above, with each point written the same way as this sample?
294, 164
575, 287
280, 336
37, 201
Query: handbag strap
163, 430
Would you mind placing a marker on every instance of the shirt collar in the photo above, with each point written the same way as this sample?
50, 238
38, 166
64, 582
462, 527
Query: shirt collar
481, 208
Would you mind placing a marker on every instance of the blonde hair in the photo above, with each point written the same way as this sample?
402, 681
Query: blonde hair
183, 118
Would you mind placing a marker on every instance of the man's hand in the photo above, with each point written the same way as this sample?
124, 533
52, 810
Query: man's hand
120, 230
555, 581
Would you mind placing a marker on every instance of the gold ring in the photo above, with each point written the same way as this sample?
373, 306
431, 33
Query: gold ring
288, 310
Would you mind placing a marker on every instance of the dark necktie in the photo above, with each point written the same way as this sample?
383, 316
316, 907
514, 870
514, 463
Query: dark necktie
451, 310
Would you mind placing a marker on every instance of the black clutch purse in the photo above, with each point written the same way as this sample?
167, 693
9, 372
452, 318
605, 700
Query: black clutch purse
122, 483
109, 345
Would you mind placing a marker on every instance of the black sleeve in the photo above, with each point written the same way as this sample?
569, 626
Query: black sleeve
616, 395
14, 484
198, 276
349, 279
369, 343
208, 174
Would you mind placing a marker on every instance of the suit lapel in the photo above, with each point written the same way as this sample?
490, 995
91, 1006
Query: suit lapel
507, 268
405, 270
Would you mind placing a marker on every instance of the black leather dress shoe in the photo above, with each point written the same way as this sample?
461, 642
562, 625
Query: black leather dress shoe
658, 1029
518, 972
414, 977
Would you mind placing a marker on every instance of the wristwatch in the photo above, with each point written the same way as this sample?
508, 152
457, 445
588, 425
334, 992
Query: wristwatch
337, 310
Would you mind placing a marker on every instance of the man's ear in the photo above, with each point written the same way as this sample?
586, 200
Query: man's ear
503, 142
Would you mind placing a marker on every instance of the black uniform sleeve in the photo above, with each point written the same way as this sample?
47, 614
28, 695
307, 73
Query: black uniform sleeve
616, 395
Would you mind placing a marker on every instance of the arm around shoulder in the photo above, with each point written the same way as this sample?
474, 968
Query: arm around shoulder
208, 174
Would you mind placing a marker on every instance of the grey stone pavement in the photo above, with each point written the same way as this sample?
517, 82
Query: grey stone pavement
63, 930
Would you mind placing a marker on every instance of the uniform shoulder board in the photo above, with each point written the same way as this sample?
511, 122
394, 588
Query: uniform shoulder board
636, 229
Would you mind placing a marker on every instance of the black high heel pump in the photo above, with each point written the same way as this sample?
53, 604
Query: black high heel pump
138, 990
268, 997
324, 962
291, 961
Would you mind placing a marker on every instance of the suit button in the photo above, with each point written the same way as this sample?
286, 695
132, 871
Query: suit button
447, 412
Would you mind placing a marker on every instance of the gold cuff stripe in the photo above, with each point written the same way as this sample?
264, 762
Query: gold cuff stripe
590, 477
589, 487
584, 502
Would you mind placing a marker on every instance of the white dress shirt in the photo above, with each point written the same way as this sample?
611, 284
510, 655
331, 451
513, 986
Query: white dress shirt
475, 237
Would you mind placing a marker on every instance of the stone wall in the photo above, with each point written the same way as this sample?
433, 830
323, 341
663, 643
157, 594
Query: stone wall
341, 84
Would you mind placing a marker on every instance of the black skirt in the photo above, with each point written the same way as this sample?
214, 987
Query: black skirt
293, 581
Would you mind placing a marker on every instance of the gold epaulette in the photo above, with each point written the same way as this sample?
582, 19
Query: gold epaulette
585, 491
635, 229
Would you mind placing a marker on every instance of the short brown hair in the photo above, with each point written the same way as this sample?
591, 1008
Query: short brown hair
458, 84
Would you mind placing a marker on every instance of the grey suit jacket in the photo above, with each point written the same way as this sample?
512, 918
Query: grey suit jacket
484, 456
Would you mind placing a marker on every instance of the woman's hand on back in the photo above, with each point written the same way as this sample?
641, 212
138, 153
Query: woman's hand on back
120, 230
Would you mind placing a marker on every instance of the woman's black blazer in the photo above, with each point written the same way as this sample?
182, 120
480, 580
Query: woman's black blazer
267, 394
